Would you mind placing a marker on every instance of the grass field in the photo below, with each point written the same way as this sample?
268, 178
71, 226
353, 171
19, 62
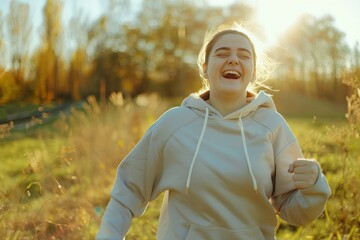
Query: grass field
55, 180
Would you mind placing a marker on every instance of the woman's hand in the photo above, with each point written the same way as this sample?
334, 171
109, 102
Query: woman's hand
305, 172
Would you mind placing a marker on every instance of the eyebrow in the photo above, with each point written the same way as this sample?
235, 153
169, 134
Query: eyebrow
227, 49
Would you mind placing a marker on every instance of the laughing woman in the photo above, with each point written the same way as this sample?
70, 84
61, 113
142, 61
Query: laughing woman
226, 159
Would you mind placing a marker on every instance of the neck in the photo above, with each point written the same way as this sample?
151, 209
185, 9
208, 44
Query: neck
227, 104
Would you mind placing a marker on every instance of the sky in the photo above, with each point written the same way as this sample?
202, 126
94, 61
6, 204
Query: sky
276, 16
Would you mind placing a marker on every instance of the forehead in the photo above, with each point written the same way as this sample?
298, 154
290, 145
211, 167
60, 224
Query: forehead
232, 41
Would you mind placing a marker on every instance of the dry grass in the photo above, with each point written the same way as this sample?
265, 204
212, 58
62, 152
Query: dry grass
61, 187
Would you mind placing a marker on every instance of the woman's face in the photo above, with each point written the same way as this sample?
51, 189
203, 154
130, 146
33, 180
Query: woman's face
230, 66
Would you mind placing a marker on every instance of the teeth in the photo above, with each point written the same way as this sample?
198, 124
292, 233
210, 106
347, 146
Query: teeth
232, 72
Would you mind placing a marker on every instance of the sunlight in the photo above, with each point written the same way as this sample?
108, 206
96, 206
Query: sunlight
277, 16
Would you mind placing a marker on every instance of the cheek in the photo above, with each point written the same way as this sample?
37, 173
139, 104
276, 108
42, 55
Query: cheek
249, 65
211, 64
213, 67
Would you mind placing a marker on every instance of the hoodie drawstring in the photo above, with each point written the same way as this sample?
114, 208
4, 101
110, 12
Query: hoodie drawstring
246, 152
197, 149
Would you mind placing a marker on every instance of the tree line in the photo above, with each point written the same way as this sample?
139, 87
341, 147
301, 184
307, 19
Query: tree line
154, 51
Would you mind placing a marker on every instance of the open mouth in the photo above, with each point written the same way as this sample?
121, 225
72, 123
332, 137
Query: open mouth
231, 74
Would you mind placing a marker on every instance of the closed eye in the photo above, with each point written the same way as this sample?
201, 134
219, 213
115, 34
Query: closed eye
222, 54
244, 56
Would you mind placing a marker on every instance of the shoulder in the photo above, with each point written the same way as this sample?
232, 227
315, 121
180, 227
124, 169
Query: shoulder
176, 117
282, 134
172, 120
270, 119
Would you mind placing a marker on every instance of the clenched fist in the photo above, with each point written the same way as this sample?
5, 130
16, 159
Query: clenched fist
305, 172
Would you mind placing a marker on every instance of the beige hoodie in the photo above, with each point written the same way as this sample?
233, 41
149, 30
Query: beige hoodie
224, 177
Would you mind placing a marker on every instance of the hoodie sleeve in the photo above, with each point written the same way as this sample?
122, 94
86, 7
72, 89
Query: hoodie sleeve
134, 186
297, 207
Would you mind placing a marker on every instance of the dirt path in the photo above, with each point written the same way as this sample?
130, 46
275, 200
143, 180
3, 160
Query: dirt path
26, 120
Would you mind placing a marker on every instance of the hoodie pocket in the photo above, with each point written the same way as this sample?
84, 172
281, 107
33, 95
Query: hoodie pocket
204, 233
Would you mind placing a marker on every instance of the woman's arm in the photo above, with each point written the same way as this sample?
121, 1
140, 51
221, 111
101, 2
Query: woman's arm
301, 206
133, 188
115, 222
301, 190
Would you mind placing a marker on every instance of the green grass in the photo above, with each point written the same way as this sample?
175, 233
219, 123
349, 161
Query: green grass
293, 104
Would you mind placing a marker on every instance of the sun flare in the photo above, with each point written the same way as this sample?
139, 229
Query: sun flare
277, 16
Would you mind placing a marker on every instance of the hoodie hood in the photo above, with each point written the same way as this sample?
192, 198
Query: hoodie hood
199, 105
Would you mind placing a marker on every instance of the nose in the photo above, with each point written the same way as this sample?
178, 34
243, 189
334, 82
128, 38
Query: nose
233, 59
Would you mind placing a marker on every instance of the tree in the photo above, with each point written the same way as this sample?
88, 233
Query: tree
336, 50
2, 43
78, 35
49, 54
19, 30
318, 52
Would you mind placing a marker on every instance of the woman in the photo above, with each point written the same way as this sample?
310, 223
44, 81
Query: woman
226, 160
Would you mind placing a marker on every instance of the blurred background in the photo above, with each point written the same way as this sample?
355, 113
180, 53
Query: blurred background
82, 80
62, 50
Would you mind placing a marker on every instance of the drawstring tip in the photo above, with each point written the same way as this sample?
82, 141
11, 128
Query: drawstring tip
254, 184
255, 188
186, 190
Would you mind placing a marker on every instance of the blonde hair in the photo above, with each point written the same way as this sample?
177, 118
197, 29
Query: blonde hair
263, 65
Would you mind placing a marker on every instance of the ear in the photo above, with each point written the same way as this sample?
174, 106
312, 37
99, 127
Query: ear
205, 70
